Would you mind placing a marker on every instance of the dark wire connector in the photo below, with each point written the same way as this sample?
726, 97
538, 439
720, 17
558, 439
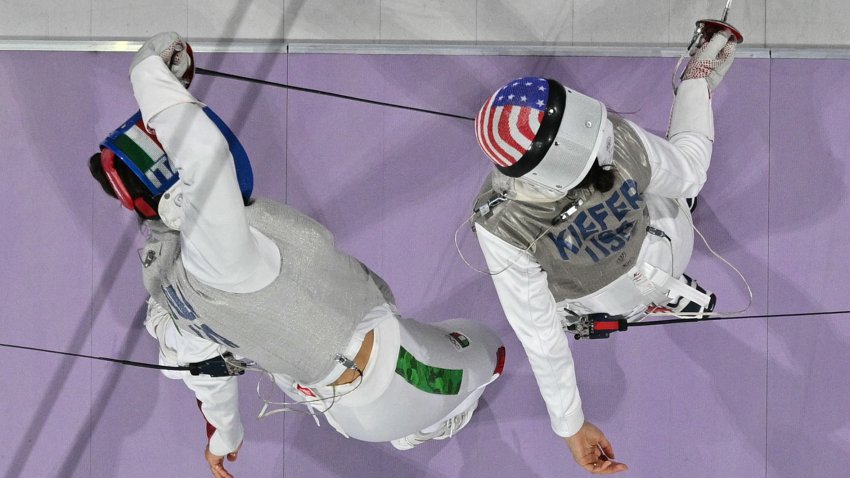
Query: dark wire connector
597, 326
568, 211
657, 232
484, 209
222, 366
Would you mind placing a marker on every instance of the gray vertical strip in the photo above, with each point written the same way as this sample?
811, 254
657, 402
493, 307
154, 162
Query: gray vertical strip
767, 287
286, 141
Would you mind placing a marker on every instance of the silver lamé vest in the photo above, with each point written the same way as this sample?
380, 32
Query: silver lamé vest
598, 242
295, 325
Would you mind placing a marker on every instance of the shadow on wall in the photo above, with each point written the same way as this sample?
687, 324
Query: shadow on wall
809, 188
413, 145
475, 299
601, 380
806, 419
65, 177
807, 414
123, 404
405, 159
82, 438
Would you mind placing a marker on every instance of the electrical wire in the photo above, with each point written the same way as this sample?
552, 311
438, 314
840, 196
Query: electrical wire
761, 316
264, 411
251, 367
705, 315
232, 363
204, 71
522, 252
105, 359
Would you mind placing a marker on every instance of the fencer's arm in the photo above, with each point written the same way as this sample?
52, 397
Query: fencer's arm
156, 88
218, 396
530, 309
680, 163
217, 245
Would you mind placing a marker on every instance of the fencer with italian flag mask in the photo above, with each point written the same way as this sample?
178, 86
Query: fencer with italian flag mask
267, 284
153, 189
135, 168
586, 213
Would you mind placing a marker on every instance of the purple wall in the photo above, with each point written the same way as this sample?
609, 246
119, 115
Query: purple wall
733, 399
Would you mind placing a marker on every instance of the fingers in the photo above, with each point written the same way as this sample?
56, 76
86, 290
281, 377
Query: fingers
596, 467
727, 34
720, 38
218, 471
597, 459
175, 56
603, 466
607, 449
717, 42
596, 439
593, 452
606, 467
728, 51
592, 458
709, 49
216, 463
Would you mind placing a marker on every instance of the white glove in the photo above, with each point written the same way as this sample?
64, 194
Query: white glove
173, 50
712, 60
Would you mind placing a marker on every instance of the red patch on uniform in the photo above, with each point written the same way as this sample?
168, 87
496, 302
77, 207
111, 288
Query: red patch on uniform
210, 428
305, 391
500, 361
655, 309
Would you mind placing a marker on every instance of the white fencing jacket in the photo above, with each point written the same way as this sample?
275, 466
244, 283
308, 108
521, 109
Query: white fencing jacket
218, 247
679, 167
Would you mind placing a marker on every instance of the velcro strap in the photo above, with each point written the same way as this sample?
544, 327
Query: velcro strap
675, 288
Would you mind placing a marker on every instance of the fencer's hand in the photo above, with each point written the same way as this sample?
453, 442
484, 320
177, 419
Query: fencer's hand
173, 50
216, 462
593, 452
712, 60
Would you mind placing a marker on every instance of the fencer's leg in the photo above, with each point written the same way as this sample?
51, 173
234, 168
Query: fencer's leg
420, 375
448, 426
445, 429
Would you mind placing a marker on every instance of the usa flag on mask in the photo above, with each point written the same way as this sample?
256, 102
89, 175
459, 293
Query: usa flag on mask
506, 125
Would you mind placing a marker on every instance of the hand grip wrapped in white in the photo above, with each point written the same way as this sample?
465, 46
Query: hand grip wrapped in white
174, 51
712, 60
160, 73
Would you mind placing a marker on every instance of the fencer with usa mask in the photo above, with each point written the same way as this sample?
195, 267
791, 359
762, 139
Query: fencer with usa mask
586, 212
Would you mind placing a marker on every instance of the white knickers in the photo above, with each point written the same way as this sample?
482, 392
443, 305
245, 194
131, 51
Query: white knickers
446, 366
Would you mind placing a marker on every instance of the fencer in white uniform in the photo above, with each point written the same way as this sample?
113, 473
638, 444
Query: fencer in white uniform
261, 281
586, 213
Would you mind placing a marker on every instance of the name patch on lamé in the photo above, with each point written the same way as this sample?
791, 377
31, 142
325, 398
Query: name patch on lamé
602, 229
180, 307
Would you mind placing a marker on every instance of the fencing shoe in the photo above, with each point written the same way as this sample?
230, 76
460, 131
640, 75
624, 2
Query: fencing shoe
446, 430
691, 309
